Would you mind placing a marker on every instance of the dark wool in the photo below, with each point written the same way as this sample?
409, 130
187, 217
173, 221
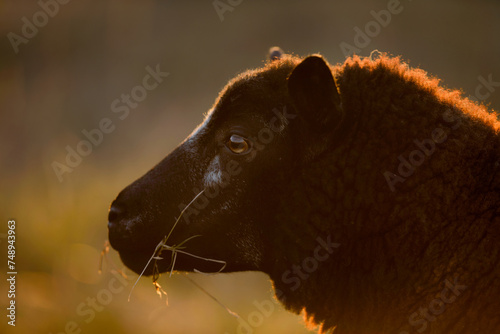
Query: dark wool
397, 248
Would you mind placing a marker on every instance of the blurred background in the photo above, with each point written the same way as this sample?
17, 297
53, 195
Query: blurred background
59, 74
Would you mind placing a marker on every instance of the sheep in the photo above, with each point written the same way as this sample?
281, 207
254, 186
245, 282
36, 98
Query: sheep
367, 192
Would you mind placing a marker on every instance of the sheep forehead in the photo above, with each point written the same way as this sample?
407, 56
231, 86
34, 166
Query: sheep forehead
192, 141
199, 129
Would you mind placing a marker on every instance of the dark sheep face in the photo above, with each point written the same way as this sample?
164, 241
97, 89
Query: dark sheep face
261, 128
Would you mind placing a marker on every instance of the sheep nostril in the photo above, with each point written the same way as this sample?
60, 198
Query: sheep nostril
113, 216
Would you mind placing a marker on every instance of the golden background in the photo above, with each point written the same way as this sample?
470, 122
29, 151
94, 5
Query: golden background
63, 81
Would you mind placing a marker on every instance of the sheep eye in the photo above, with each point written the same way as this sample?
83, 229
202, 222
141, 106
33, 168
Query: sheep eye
238, 144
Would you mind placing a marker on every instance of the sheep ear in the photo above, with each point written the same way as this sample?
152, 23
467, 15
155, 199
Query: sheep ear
314, 93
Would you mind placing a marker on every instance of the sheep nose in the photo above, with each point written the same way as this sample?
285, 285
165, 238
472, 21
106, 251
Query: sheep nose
113, 216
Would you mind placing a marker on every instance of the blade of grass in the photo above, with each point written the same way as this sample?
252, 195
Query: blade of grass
234, 314
175, 249
158, 247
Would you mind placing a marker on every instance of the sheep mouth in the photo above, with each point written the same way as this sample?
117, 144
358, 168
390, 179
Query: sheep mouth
137, 261
135, 256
